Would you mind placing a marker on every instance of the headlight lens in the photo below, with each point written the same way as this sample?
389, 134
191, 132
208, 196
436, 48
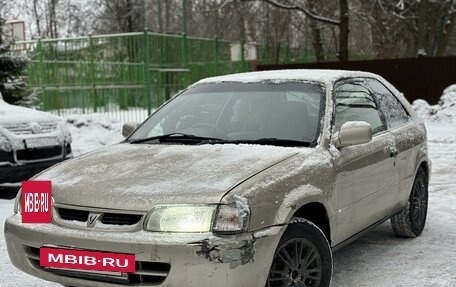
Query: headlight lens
180, 218
226, 219
17, 203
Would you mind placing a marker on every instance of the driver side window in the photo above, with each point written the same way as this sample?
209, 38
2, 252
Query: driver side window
354, 102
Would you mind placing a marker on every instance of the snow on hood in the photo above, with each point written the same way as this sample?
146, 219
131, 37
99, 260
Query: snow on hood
16, 114
137, 177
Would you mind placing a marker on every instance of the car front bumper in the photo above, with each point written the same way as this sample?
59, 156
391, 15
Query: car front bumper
194, 259
15, 170
16, 173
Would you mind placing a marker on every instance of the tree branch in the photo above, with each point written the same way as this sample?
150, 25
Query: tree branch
301, 9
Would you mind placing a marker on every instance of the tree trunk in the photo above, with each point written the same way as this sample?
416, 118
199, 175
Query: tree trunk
160, 16
37, 18
448, 31
317, 41
343, 30
422, 28
167, 17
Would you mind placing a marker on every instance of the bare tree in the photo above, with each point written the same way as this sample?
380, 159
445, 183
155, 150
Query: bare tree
342, 22
52, 24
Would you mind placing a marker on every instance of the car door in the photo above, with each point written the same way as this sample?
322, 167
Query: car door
405, 134
366, 181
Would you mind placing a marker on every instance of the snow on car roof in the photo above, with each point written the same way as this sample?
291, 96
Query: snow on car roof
325, 76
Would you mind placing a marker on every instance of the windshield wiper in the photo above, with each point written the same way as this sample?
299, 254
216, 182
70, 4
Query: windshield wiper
261, 141
173, 136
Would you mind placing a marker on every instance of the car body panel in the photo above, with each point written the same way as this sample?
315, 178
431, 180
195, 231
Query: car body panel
278, 192
158, 174
412, 152
187, 254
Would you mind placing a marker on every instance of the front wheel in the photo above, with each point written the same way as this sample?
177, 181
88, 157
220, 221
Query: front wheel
303, 257
411, 220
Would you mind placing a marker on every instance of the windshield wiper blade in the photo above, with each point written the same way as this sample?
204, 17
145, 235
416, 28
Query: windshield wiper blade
262, 141
173, 136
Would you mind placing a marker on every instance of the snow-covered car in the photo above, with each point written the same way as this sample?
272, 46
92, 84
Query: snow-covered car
242, 180
30, 141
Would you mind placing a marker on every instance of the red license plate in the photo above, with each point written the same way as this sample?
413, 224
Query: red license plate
87, 260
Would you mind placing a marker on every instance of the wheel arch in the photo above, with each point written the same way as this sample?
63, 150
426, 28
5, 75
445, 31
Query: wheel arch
425, 166
316, 213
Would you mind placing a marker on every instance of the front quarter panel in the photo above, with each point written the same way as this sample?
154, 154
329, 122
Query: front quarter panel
279, 191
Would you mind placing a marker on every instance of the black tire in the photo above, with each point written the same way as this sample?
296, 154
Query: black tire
410, 221
303, 257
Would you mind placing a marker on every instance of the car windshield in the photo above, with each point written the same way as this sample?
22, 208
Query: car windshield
264, 112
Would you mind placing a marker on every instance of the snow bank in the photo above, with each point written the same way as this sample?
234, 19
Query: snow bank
91, 132
444, 111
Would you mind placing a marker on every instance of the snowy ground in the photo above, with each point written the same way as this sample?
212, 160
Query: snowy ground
377, 259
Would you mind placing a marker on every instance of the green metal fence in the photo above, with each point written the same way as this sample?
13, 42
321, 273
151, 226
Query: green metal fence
128, 73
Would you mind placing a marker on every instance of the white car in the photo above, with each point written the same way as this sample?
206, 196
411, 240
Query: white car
30, 141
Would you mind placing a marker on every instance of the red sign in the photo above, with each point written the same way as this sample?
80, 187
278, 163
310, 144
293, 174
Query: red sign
87, 260
36, 202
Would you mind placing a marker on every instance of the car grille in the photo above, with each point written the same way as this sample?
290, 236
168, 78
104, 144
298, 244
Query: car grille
147, 273
120, 219
25, 129
6, 156
73, 214
38, 153
106, 218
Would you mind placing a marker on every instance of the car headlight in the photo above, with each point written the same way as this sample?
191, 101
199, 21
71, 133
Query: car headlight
180, 218
17, 203
226, 219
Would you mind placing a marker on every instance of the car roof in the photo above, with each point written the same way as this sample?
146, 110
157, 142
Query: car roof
315, 75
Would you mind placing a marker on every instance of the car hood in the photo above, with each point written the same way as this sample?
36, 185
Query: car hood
10, 114
137, 177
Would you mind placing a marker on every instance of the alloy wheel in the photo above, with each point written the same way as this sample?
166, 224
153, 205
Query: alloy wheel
296, 263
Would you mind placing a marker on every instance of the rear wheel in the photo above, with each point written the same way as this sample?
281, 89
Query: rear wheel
410, 221
302, 258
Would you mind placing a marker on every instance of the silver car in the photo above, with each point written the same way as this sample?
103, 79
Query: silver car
30, 141
251, 179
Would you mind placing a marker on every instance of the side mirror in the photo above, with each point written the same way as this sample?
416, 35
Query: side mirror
353, 133
128, 128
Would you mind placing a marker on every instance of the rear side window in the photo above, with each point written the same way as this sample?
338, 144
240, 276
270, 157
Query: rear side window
393, 110
354, 102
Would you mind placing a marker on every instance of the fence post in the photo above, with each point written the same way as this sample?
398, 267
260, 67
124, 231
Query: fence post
287, 54
216, 51
146, 66
41, 75
184, 50
92, 73
185, 57
242, 55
